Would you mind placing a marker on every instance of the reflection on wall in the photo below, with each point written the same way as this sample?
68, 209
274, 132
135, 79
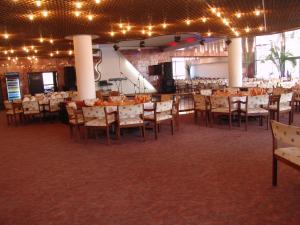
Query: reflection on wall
115, 65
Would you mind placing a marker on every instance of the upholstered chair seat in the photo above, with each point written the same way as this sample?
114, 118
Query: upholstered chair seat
289, 154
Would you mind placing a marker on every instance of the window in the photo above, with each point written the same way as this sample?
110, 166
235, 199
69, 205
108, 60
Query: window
48, 80
179, 68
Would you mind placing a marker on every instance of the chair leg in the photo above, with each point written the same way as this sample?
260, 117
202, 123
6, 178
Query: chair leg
195, 116
118, 131
274, 179
230, 121
278, 114
172, 127
86, 134
155, 130
71, 130
107, 136
290, 117
246, 122
7, 119
267, 122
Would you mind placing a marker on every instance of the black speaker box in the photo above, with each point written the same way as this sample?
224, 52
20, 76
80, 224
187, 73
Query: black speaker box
69, 78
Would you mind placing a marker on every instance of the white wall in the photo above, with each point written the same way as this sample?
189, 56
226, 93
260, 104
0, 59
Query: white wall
212, 67
115, 65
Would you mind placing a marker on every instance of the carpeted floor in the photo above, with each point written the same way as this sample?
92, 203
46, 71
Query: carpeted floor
199, 176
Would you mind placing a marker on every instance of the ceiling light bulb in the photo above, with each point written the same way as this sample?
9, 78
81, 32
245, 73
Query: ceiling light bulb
261, 28
238, 15
257, 12
5, 52
77, 13
31, 17
149, 33
150, 27
78, 5
12, 51
8, 58
6, 36
97, 1
218, 14
51, 41
51, 54
247, 29
128, 27
237, 33
70, 52
32, 47
41, 40
45, 13
123, 31
214, 10
57, 52
90, 17
121, 25
233, 29
112, 33
38, 3
35, 51
204, 19
143, 31
188, 22
208, 33
164, 25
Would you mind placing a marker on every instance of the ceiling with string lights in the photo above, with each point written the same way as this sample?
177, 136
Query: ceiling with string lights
40, 27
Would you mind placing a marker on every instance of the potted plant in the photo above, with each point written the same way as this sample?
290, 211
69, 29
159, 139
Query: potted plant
279, 57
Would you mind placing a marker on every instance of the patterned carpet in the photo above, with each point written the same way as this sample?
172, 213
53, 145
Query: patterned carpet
199, 176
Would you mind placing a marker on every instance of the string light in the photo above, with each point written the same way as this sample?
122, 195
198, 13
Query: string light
257, 12
128, 27
150, 33
45, 13
51, 41
90, 17
41, 40
112, 33
97, 1
70, 52
31, 17
5, 52
143, 31
51, 54
121, 25
77, 13
247, 29
57, 52
78, 5
208, 33
218, 14
214, 10
38, 3
6, 35
188, 22
204, 19
123, 31
164, 25
35, 51
238, 15
150, 27
261, 28
12, 51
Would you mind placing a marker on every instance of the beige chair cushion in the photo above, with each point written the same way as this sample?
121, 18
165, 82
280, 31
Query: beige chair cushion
258, 111
79, 121
130, 121
291, 154
11, 112
222, 110
281, 107
159, 117
99, 122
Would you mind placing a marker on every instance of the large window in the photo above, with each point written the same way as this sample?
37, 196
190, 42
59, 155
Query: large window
179, 68
287, 42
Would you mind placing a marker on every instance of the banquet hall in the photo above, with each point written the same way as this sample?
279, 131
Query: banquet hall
118, 112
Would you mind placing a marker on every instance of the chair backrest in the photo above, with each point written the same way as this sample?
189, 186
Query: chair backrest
254, 102
8, 105
30, 106
199, 100
286, 98
94, 112
286, 133
54, 103
206, 92
130, 111
72, 105
165, 106
219, 101
70, 111
166, 97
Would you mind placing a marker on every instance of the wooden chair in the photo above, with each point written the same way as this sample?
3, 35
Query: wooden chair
289, 135
253, 107
97, 117
280, 104
54, 106
221, 105
31, 109
162, 112
297, 100
130, 116
12, 111
75, 119
201, 106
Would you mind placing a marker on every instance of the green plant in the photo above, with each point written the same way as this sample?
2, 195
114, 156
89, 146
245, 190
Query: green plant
279, 57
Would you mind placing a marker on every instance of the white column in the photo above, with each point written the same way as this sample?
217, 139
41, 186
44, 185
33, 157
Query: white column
84, 66
235, 67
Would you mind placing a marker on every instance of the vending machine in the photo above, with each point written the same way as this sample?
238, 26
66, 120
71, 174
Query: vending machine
13, 86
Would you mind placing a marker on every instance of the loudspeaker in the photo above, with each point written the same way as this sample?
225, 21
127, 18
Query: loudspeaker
167, 70
70, 78
167, 86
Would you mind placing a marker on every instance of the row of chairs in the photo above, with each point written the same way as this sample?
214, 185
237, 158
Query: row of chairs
30, 109
126, 116
262, 106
